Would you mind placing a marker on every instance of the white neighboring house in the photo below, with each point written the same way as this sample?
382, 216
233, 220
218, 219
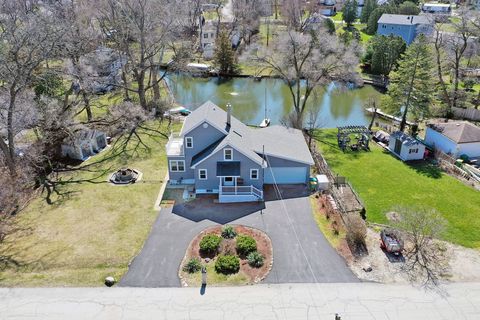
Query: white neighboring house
208, 36
85, 144
454, 137
406, 147
431, 7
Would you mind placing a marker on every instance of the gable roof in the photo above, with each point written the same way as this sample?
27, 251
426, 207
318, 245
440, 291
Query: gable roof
458, 131
282, 142
276, 141
405, 138
402, 19
207, 112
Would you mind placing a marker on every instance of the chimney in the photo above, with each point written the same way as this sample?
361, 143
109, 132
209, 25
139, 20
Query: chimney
229, 114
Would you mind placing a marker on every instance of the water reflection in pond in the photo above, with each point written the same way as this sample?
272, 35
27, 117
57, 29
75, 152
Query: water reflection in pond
248, 97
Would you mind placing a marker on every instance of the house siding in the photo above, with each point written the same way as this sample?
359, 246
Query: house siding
437, 140
202, 138
407, 32
213, 181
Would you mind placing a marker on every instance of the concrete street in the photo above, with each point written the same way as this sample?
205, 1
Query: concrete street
286, 301
300, 251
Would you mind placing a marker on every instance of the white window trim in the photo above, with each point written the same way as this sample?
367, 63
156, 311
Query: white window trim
191, 142
200, 176
258, 172
177, 162
224, 154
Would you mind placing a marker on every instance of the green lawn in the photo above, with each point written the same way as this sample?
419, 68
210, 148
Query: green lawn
338, 17
384, 182
93, 232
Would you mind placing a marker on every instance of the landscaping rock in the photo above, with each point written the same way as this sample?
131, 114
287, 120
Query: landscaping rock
109, 281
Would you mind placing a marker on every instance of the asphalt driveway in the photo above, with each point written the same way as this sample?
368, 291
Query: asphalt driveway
300, 251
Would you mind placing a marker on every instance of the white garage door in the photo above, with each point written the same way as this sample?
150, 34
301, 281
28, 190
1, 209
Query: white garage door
285, 175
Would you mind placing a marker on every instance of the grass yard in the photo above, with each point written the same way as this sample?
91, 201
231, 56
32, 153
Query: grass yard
93, 232
384, 182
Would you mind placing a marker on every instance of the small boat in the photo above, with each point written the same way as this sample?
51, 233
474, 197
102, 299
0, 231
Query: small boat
265, 123
178, 110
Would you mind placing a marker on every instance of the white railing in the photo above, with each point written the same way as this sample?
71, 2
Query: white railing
240, 190
175, 145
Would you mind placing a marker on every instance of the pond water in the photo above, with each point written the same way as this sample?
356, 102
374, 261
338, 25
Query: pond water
336, 106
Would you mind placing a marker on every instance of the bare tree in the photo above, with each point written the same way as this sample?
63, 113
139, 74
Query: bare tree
426, 259
246, 17
307, 61
450, 49
296, 13
140, 30
28, 38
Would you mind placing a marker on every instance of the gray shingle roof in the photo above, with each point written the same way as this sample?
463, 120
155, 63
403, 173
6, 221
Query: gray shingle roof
279, 141
402, 19
458, 131
405, 138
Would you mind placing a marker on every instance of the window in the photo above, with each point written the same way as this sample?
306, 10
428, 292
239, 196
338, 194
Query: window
228, 179
205, 35
254, 174
211, 35
227, 154
177, 165
189, 142
202, 174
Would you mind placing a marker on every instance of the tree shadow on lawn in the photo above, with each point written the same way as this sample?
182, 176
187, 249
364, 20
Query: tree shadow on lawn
422, 167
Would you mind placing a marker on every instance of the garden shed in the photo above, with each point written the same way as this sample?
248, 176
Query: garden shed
406, 147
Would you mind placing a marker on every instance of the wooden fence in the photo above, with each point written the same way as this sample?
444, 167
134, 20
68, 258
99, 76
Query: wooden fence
468, 114
346, 199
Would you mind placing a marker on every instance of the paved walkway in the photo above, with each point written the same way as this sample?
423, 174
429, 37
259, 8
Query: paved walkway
300, 251
290, 301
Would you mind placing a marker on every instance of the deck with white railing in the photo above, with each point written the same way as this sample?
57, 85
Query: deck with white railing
239, 194
175, 145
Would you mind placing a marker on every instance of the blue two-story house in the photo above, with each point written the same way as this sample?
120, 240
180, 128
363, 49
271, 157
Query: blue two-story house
405, 26
218, 154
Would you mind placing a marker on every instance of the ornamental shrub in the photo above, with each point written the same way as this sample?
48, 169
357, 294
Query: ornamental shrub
255, 259
210, 243
246, 244
193, 265
228, 232
227, 264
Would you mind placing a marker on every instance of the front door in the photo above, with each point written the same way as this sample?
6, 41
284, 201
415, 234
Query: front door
228, 181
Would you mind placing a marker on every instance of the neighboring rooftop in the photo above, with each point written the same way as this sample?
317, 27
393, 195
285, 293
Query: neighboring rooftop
405, 138
276, 141
458, 131
402, 19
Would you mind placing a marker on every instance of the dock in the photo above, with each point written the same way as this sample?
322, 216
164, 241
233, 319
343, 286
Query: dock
388, 116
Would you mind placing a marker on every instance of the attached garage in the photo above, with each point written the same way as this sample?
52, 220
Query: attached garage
285, 175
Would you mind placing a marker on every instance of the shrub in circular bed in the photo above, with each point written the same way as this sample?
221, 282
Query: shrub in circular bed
228, 232
246, 244
255, 259
193, 265
227, 264
210, 243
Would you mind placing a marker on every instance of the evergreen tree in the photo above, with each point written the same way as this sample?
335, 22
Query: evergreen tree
350, 11
224, 58
411, 85
368, 8
386, 50
372, 23
408, 8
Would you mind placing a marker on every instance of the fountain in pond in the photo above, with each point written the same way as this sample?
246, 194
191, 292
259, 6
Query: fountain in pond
125, 176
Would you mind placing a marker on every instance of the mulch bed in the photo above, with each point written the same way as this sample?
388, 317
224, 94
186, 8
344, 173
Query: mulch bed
228, 246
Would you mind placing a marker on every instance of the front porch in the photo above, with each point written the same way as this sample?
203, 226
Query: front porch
231, 189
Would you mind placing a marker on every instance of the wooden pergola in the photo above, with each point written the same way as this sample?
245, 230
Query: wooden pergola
363, 137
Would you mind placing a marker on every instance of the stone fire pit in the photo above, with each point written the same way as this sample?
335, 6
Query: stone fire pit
125, 176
